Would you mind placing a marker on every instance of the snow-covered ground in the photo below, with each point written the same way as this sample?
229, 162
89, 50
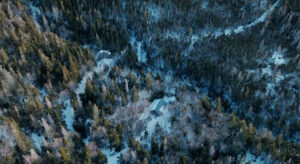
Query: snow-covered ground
99, 68
154, 12
242, 28
68, 113
159, 105
113, 156
141, 54
37, 140
217, 32
35, 11
254, 160
278, 58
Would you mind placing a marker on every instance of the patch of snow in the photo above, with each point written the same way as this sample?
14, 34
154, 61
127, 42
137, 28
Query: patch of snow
263, 3
161, 105
235, 30
267, 71
86, 140
37, 140
69, 115
278, 58
204, 4
81, 86
68, 112
262, 18
254, 160
112, 156
154, 12
123, 3
35, 11
43, 93
141, 54
99, 68
173, 35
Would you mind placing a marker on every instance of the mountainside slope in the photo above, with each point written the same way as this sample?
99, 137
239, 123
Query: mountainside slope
149, 81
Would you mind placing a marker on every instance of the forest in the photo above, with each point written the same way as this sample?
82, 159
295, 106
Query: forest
152, 81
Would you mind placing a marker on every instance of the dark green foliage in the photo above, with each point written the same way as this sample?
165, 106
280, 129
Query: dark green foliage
100, 158
157, 95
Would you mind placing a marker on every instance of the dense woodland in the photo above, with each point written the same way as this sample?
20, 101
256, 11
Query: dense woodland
127, 81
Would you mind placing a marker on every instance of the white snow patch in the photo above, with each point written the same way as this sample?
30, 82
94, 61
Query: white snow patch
123, 3
233, 30
204, 4
242, 28
172, 35
37, 140
141, 54
154, 12
99, 68
69, 115
43, 92
86, 140
251, 158
278, 58
161, 105
112, 156
35, 11
267, 71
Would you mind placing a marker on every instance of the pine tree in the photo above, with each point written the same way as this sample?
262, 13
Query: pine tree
149, 80
131, 57
184, 159
45, 61
250, 134
115, 141
20, 138
132, 143
65, 157
154, 146
100, 158
244, 125
98, 41
87, 155
65, 74
135, 94
96, 118
89, 91
234, 122
175, 144
219, 105
74, 71
206, 104
3, 57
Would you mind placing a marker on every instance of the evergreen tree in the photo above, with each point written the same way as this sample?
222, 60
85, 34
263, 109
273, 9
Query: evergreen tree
100, 158
3, 57
219, 105
65, 74
74, 71
135, 94
130, 56
89, 91
87, 155
234, 121
96, 118
154, 146
149, 80
206, 104
65, 157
